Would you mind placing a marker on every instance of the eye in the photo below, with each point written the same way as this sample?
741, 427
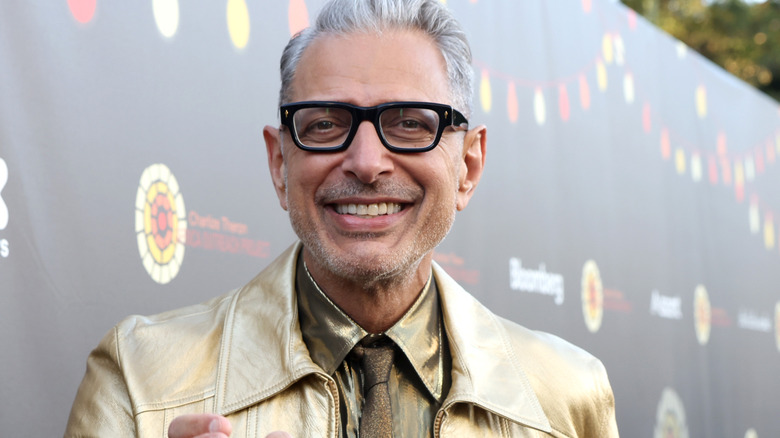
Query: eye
410, 124
323, 125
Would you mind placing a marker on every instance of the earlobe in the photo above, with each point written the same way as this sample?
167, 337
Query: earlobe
474, 148
273, 145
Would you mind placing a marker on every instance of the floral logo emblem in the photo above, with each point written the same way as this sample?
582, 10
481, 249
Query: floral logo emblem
702, 314
160, 223
592, 296
670, 417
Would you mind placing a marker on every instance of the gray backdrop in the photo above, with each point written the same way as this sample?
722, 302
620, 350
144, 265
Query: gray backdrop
624, 174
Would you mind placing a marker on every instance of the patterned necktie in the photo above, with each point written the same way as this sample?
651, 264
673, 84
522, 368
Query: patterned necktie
377, 360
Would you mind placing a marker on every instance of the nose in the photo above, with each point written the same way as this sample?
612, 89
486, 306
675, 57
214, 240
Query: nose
366, 157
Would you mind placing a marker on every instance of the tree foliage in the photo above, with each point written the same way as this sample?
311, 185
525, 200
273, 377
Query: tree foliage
743, 38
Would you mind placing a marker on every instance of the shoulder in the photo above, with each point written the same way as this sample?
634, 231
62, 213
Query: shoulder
570, 383
185, 341
537, 350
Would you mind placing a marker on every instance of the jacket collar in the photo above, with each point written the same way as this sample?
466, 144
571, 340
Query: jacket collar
262, 350
254, 366
485, 369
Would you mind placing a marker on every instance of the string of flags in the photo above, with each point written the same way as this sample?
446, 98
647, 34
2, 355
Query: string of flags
719, 167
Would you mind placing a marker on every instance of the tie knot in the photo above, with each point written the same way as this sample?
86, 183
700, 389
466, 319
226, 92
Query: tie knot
376, 360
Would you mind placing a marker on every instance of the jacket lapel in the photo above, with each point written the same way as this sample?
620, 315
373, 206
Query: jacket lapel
262, 350
485, 369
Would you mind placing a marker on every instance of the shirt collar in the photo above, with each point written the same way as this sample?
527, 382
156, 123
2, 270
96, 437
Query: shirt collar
330, 334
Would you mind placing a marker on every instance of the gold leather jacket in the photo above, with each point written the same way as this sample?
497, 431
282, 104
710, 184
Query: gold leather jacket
242, 355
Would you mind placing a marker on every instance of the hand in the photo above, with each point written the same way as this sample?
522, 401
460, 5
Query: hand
200, 426
207, 426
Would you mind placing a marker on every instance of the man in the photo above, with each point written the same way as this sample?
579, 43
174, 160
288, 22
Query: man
354, 331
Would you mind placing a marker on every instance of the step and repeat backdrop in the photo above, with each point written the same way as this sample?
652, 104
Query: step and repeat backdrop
628, 204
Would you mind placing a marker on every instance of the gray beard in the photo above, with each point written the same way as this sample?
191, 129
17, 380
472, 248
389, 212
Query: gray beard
384, 270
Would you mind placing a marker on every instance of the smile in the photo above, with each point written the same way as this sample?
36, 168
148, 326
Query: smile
377, 209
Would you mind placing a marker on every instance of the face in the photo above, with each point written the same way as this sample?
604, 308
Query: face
366, 213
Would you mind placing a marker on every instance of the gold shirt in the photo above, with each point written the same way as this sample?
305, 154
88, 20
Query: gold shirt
420, 378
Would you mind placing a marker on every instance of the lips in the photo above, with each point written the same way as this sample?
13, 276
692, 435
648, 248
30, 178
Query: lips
369, 210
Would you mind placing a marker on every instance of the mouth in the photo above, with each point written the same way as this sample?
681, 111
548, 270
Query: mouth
368, 210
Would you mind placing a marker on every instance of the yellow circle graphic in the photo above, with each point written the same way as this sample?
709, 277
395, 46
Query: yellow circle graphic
701, 101
238, 22
601, 75
592, 296
485, 93
702, 314
160, 223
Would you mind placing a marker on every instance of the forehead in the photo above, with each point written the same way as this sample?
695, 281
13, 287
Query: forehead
369, 68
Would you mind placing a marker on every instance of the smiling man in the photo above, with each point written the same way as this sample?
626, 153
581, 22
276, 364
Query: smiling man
354, 331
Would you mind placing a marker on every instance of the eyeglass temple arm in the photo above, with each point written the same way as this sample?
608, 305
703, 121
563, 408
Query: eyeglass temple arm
459, 120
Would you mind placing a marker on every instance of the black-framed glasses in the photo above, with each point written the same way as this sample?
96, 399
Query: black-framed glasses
402, 126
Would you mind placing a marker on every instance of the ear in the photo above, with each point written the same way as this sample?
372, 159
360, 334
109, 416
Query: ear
273, 145
474, 145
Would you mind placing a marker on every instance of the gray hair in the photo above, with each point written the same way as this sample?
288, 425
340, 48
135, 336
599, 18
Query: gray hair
340, 17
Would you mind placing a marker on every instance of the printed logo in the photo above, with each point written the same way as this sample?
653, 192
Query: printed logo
752, 320
592, 296
3, 207
160, 223
535, 281
667, 307
702, 314
670, 418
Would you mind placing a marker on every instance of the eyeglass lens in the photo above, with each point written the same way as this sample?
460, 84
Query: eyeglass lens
406, 127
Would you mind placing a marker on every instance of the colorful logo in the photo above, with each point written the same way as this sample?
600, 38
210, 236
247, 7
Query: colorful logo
670, 418
702, 314
160, 223
592, 296
3, 207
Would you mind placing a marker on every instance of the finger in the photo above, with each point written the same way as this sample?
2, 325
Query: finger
193, 425
278, 434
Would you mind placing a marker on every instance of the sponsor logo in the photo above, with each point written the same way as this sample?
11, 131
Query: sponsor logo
750, 320
592, 296
160, 223
5, 249
702, 314
670, 418
667, 307
223, 235
535, 281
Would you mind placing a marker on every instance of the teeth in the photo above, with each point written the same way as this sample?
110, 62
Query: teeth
379, 209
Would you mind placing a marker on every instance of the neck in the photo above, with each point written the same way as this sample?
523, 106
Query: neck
375, 305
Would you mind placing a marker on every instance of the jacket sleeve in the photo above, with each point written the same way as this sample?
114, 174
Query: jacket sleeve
606, 411
102, 407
